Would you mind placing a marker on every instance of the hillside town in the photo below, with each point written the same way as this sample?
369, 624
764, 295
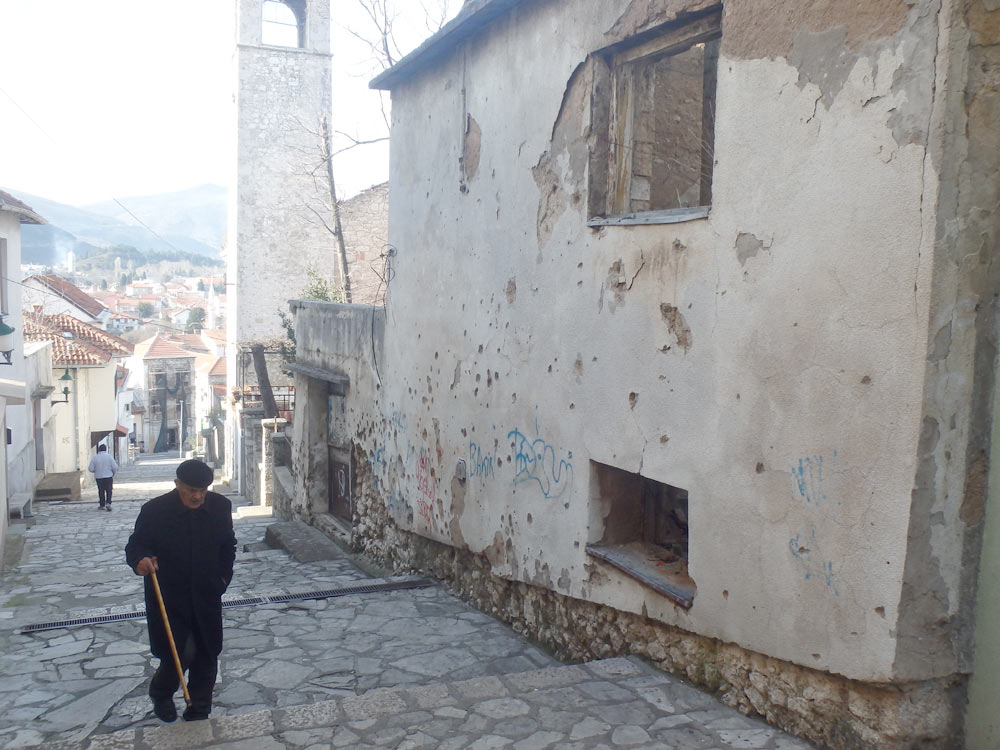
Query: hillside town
652, 402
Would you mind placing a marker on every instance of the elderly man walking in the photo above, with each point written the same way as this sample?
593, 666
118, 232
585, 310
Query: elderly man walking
103, 467
186, 537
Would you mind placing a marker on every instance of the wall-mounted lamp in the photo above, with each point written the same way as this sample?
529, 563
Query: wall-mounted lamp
6, 342
66, 379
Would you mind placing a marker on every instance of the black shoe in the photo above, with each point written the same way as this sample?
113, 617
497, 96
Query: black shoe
193, 713
100, 507
165, 709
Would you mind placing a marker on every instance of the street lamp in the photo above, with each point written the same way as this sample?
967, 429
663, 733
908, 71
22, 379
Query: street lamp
65, 379
6, 342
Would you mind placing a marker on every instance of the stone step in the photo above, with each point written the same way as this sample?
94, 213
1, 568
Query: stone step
610, 703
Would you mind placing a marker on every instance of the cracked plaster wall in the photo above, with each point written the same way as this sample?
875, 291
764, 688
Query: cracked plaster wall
773, 359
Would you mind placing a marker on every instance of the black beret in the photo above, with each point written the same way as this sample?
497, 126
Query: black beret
195, 473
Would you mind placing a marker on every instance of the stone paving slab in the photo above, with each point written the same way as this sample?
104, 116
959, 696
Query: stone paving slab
302, 542
275, 655
610, 704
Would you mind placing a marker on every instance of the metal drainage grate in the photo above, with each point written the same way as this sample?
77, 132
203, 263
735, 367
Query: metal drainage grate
239, 602
81, 621
418, 583
375, 588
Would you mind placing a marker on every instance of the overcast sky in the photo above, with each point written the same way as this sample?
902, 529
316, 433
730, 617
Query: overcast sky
104, 99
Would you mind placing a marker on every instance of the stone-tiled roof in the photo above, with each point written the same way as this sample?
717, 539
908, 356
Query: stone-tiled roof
70, 292
74, 343
25, 212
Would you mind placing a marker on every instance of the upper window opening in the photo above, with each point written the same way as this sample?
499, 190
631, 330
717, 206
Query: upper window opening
283, 23
658, 107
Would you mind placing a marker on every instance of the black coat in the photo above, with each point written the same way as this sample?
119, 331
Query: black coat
195, 551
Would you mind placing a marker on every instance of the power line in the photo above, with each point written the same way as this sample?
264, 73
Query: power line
30, 118
59, 146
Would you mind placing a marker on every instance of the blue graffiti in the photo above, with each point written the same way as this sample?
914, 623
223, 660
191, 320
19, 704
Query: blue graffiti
398, 419
536, 461
812, 567
481, 463
396, 502
808, 477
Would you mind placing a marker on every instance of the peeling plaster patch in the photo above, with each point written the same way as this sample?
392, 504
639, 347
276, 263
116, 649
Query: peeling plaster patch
511, 291
633, 399
823, 60
437, 440
616, 283
973, 508
458, 489
457, 377
942, 343
645, 14
757, 29
677, 325
566, 159
924, 643
564, 580
578, 365
542, 576
471, 148
747, 246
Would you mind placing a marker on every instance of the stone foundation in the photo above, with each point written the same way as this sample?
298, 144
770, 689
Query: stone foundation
829, 710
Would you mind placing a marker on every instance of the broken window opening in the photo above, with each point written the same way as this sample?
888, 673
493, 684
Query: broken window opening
645, 531
656, 103
284, 23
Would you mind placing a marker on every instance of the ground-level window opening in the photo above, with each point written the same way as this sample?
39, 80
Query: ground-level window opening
645, 531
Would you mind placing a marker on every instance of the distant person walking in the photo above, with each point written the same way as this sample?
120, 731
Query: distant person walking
103, 467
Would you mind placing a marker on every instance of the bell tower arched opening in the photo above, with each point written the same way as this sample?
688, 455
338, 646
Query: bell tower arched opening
283, 23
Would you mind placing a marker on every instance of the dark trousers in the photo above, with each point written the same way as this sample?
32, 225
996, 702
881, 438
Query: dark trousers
201, 667
104, 490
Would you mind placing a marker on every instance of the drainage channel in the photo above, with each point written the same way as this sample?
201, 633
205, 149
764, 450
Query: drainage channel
373, 588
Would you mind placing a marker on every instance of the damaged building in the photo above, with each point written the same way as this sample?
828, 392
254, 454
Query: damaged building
689, 349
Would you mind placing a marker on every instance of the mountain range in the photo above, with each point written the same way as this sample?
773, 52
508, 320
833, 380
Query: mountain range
192, 220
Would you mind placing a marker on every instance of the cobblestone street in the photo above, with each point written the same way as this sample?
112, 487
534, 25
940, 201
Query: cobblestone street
404, 668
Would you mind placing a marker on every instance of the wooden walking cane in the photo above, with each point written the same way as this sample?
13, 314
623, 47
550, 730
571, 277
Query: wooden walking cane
170, 638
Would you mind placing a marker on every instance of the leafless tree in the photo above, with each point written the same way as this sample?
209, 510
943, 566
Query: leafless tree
379, 36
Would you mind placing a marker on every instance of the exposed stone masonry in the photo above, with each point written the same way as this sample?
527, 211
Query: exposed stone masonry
832, 711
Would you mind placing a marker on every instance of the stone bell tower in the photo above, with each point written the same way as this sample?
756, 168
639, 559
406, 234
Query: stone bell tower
282, 93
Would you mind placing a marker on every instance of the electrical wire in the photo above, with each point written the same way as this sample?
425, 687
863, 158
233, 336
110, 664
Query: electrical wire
34, 122
385, 277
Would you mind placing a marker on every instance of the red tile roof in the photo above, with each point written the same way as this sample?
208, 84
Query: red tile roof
69, 292
74, 343
217, 335
167, 345
26, 213
162, 348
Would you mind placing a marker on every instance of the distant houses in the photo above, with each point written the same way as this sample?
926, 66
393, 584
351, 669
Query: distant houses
86, 377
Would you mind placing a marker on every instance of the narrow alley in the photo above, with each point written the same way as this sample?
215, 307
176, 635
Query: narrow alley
402, 668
